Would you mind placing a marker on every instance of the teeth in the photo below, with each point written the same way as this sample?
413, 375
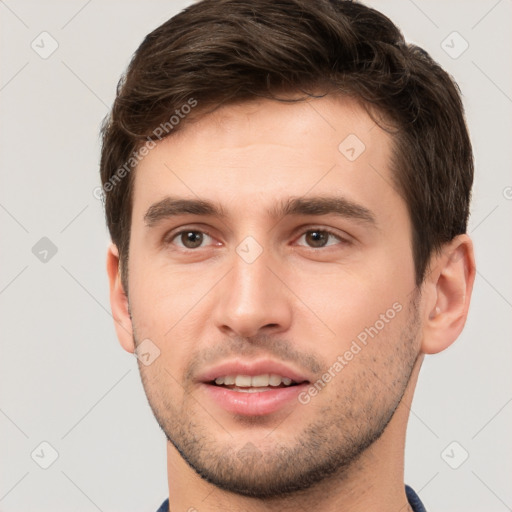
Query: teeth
260, 380
257, 381
243, 381
274, 380
229, 380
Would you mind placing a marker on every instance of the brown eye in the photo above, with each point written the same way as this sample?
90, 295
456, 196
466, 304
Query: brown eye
318, 238
189, 239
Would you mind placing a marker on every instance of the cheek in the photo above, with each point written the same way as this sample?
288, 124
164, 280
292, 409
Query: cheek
163, 311
350, 312
346, 300
168, 306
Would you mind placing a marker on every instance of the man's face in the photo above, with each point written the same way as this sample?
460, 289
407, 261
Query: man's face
326, 300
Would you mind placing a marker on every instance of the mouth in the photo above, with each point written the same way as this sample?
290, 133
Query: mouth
251, 391
252, 388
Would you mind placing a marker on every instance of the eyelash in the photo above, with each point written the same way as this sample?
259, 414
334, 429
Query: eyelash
168, 240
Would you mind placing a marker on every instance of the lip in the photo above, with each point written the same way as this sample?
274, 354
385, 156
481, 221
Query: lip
252, 368
252, 404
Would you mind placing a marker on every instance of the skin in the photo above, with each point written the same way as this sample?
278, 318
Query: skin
300, 302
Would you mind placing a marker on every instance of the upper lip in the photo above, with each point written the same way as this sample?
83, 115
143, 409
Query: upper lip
251, 368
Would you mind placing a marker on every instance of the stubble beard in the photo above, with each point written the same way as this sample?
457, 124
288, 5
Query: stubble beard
328, 447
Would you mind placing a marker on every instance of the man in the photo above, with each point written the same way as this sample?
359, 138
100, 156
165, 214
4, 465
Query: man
287, 188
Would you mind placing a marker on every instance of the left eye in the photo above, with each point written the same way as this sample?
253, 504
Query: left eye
319, 237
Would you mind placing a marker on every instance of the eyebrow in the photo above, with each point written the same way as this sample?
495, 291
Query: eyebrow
294, 206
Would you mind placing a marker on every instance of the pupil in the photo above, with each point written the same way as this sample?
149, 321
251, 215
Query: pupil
319, 238
191, 239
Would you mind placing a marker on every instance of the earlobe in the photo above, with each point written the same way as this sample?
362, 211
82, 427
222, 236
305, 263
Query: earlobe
119, 301
450, 286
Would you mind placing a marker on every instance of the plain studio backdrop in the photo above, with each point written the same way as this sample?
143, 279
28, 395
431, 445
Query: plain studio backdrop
71, 398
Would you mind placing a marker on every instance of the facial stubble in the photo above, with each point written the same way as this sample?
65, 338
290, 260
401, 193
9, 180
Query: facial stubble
361, 407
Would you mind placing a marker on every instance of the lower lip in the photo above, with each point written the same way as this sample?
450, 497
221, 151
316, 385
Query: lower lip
253, 404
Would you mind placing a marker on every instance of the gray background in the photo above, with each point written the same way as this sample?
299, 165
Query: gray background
65, 380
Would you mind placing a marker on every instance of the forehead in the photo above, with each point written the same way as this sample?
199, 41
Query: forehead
266, 151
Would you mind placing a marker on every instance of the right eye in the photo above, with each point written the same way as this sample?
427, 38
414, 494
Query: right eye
188, 239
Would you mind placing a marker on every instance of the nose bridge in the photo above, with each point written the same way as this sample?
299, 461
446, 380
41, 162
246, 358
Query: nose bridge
251, 297
250, 277
250, 273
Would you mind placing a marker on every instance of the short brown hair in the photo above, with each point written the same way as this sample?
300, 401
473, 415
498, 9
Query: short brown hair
224, 51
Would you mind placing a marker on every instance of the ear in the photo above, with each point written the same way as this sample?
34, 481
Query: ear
448, 290
119, 301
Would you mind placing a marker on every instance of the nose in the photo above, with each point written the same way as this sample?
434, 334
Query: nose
253, 298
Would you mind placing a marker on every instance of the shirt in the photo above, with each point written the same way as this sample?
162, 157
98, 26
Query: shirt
412, 498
